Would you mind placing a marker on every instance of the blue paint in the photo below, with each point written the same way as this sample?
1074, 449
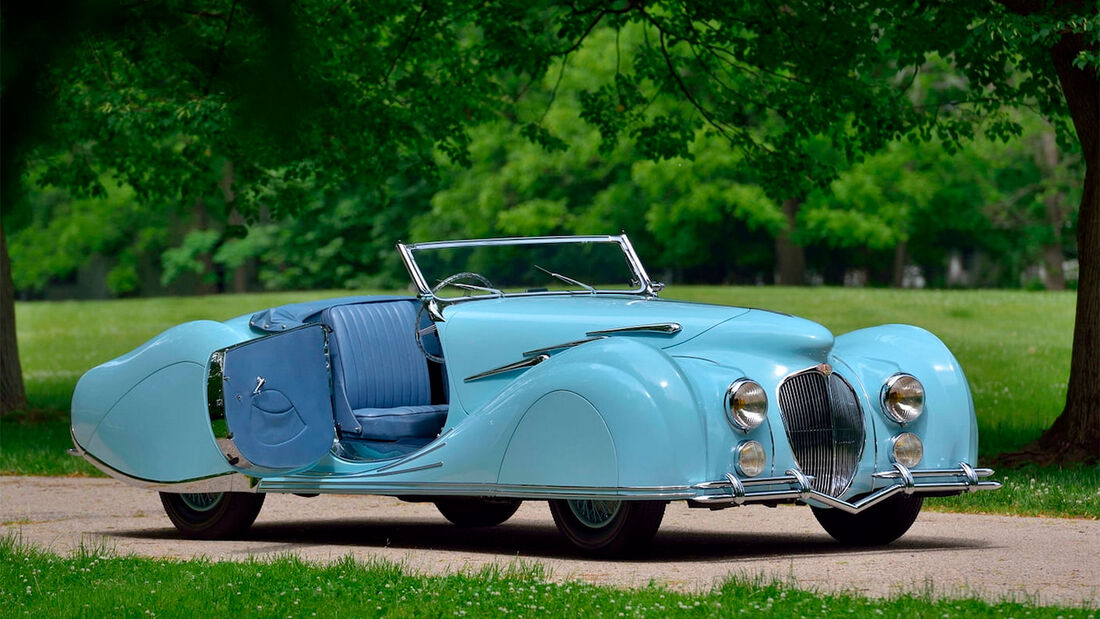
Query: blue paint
628, 411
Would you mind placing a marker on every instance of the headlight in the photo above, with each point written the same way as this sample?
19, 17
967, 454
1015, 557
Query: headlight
746, 404
903, 398
907, 450
751, 458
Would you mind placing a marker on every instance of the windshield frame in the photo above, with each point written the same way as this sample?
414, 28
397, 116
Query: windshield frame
646, 286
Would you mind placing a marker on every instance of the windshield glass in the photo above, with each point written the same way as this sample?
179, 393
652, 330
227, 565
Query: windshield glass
493, 267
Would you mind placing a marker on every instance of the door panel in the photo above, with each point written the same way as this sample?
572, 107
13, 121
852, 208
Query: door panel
278, 405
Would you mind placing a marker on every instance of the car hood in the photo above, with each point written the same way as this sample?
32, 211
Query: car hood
486, 334
535, 322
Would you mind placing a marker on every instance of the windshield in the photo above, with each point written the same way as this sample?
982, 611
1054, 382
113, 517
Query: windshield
522, 266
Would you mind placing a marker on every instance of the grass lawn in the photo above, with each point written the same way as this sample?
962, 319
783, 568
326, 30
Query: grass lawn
1013, 345
95, 583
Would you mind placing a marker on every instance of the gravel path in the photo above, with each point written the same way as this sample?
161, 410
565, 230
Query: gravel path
1050, 560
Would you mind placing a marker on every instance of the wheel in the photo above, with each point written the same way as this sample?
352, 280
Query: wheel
879, 525
476, 511
215, 515
607, 528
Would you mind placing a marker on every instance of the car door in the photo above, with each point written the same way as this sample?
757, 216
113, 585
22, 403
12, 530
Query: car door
278, 400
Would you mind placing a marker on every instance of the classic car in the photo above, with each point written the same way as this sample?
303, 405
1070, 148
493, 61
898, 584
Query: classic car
535, 369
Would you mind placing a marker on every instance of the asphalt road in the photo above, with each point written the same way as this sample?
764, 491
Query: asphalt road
1050, 560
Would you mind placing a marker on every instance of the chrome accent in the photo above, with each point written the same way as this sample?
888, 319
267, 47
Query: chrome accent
517, 365
666, 328
222, 482
562, 346
971, 476
964, 470
414, 271
824, 425
798, 488
646, 286
737, 489
650, 287
889, 384
730, 391
399, 488
434, 312
260, 380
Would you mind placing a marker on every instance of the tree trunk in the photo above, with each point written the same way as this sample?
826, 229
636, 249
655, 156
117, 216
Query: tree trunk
790, 259
12, 394
1055, 202
901, 256
1075, 435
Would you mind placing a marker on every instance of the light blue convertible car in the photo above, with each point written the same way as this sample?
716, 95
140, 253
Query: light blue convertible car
535, 369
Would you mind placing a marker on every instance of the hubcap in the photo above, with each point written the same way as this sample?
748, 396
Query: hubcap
595, 514
202, 502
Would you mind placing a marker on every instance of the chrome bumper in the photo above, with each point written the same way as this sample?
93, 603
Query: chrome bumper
796, 486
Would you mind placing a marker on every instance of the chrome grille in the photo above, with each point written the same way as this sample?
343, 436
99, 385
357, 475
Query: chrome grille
824, 426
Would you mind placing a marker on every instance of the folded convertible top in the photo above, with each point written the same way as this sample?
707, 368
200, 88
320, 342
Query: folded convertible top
285, 317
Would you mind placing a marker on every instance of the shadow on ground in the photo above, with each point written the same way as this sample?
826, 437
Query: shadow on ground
544, 541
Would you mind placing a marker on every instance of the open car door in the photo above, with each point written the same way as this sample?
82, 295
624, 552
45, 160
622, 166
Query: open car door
277, 401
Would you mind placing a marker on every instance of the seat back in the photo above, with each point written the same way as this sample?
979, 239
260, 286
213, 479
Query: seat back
375, 360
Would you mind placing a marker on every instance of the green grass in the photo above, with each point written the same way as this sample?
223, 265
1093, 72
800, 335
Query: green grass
1013, 345
95, 583
1033, 491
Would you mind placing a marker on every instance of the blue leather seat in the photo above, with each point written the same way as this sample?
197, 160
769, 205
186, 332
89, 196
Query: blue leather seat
381, 385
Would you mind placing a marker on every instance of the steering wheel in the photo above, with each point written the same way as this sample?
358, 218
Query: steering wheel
431, 328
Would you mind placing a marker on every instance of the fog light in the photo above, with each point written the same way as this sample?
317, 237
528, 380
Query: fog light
751, 458
907, 450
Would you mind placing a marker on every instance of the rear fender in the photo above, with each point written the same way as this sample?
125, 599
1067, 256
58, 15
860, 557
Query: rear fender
145, 413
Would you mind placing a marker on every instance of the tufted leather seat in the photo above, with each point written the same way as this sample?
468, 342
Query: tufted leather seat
381, 386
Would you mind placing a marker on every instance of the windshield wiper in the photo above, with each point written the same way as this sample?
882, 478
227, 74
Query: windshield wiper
492, 291
566, 279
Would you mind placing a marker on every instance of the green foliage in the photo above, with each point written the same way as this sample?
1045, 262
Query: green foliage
350, 117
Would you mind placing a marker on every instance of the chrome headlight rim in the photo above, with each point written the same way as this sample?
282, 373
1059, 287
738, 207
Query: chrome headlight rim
894, 449
737, 417
884, 395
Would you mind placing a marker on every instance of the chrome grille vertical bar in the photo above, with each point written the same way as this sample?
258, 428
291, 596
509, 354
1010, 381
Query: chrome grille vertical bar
824, 425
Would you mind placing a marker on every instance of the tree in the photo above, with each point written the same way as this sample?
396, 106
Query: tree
297, 98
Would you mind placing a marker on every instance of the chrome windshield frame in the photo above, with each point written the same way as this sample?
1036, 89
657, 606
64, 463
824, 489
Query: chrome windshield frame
646, 286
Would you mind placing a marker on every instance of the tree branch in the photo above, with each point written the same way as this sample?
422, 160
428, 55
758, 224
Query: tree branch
405, 44
221, 50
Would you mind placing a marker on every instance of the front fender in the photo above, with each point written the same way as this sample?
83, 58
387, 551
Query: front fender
948, 426
615, 403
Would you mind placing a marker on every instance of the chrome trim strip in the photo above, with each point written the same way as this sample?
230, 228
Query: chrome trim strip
664, 328
562, 346
517, 365
291, 484
222, 482
799, 488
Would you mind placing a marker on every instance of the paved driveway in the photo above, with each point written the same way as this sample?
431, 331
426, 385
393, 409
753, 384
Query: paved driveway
1056, 560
